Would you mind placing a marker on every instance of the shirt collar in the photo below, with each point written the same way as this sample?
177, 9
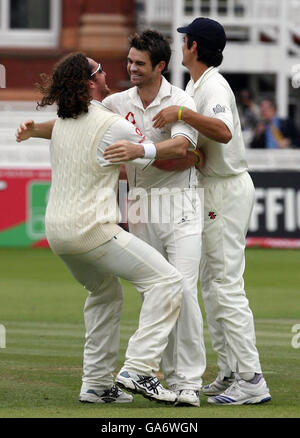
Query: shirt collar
164, 91
97, 102
207, 74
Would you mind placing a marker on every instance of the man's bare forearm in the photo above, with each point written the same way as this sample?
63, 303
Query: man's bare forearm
174, 164
172, 148
124, 150
210, 127
43, 130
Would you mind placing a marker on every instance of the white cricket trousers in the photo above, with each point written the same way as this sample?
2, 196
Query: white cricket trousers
228, 205
179, 241
98, 270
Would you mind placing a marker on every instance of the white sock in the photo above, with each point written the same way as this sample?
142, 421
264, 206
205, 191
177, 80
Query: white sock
247, 376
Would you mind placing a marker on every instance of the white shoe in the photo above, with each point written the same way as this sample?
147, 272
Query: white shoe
243, 392
218, 386
110, 395
148, 386
187, 397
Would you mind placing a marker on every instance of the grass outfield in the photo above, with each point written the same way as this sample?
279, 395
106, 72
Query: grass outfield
41, 309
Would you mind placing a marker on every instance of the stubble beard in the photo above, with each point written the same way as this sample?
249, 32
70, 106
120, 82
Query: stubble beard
105, 92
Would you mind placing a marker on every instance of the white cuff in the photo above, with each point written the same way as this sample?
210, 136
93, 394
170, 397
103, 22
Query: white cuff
150, 150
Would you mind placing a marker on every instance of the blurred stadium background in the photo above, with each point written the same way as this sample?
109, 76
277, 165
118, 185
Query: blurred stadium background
38, 307
262, 51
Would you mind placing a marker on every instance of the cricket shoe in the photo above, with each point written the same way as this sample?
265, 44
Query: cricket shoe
218, 386
243, 392
110, 395
148, 386
186, 397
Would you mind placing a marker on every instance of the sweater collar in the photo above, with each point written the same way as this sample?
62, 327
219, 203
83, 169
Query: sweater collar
98, 103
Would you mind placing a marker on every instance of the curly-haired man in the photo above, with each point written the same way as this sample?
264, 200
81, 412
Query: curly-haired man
82, 229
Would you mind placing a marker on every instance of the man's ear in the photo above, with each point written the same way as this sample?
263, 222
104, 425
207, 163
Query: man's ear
194, 47
91, 84
161, 66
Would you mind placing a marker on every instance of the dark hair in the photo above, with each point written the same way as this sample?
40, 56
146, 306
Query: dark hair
271, 101
155, 44
67, 86
246, 91
208, 57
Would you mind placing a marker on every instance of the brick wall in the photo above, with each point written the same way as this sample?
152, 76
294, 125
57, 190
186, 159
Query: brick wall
98, 28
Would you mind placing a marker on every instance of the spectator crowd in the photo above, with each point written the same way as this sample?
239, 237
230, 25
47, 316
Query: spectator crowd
261, 125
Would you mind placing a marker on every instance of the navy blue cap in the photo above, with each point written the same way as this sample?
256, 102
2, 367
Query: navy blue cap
208, 31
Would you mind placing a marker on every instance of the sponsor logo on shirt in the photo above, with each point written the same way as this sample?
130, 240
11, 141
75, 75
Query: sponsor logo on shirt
131, 119
219, 109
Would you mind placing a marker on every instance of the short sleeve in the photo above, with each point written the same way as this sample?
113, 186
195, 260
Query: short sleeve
218, 106
122, 130
182, 128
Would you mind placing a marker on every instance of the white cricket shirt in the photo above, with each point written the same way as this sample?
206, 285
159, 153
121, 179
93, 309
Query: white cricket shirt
214, 98
129, 105
121, 129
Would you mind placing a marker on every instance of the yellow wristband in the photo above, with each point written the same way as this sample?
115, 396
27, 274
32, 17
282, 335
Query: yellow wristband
180, 112
198, 156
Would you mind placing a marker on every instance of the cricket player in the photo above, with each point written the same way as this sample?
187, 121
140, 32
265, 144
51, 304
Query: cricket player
176, 233
82, 229
228, 202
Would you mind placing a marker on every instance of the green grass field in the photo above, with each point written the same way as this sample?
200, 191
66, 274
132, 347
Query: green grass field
42, 311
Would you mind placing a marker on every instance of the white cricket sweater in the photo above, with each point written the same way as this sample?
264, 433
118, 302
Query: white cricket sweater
82, 211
